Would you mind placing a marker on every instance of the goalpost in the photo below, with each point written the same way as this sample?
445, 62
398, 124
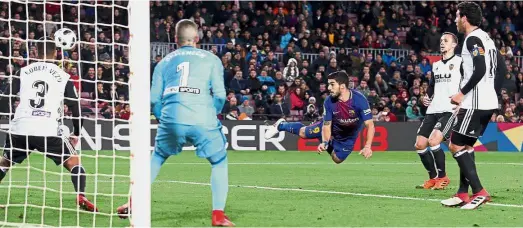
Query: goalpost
39, 193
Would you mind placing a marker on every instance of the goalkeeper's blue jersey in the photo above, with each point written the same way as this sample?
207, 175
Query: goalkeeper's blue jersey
188, 88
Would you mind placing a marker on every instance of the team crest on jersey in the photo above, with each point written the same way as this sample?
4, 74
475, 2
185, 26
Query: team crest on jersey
451, 66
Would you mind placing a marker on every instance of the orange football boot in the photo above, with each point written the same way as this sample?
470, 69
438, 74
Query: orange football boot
441, 183
428, 184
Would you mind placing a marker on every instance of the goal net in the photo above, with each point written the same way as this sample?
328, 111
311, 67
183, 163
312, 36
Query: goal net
110, 68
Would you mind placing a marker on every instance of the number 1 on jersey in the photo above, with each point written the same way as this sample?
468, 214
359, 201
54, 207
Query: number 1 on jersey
184, 76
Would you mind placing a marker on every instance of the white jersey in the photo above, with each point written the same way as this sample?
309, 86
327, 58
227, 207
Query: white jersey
447, 77
483, 95
40, 111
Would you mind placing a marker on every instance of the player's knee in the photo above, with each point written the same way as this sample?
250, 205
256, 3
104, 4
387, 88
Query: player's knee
5, 164
337, 159
218, 159
434, 141
421, 143
454, 148
302, 133
71, 162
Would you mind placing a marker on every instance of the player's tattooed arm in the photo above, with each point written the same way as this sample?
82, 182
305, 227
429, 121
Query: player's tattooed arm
369, 124
326, 131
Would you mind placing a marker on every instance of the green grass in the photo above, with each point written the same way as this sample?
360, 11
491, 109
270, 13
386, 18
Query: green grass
307, 190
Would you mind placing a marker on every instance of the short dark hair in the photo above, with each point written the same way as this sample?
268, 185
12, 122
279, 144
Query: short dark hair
472, 11
454, 37
45, 47
341, 77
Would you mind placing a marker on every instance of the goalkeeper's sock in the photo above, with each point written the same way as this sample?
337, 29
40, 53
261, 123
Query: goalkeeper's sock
157, 161
219, 181
78, 178
439, 160
428, 162
468, 167
291, 127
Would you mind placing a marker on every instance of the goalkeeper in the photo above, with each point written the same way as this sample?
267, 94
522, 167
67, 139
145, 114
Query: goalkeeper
182, 102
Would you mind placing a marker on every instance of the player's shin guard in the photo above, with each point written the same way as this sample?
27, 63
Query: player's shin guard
291, 127
439, 160
428, 162
78, 179
468, 168
157, 161
219, 180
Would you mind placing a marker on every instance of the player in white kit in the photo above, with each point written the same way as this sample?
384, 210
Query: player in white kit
37, 124
477, 100
435, 128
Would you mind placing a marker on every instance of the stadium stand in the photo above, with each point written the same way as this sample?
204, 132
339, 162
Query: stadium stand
277, 54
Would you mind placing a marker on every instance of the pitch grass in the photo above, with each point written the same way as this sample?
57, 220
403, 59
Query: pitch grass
189, 204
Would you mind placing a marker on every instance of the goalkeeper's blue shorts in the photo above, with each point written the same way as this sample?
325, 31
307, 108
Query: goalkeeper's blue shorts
171, 138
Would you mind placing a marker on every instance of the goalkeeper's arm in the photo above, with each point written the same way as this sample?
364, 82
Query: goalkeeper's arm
217, 85
71, 100
157, 87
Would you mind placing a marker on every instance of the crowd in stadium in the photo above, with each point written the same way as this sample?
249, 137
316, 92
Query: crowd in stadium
262, 45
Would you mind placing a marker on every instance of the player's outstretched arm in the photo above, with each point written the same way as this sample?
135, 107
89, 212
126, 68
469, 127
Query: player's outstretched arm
72, 100
327, 125
217, 86
157, 87
366, 116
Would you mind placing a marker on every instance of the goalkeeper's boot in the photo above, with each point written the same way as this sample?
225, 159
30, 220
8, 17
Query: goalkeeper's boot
124, 211
457, 200
477, 200
428, 184
441, 183
220, 219
85, 204
273, 129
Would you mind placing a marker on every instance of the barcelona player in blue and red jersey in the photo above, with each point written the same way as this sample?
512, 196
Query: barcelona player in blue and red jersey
345, 113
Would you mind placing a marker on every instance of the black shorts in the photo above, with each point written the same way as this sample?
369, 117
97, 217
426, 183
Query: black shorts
469, 125
18, 147
436, 121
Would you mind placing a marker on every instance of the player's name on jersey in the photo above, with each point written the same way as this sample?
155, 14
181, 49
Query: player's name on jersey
181, 89
190, 52
39, 68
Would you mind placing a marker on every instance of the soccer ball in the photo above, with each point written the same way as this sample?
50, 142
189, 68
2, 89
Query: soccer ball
65, 38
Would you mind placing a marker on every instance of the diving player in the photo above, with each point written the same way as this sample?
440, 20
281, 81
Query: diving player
345, 112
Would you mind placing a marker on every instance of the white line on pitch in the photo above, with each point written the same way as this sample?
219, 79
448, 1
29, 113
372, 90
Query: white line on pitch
330, 163
280, 189
333, 192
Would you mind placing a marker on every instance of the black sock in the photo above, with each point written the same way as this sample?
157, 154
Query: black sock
78, 178
439, 159
428, 161
463, 182
468, 168
2, 174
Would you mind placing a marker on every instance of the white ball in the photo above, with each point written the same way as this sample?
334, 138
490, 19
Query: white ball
65, 38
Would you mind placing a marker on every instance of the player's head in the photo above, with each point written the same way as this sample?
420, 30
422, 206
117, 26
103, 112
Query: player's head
448, 43
338, 83
46, 49
186, 33
468, 14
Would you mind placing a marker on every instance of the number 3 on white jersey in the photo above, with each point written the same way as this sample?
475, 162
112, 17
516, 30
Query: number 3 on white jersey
184, 77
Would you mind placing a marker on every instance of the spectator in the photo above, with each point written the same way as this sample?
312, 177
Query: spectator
278, 108
291, 71
413, 112
246, 107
